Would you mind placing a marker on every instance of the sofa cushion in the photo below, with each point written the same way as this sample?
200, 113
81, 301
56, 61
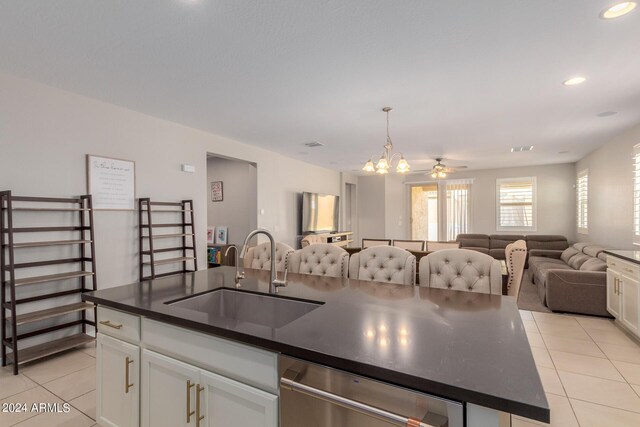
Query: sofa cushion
568, 253
576, 261
473, 241
540, 276
500, 241
498, 253
579, 246
593, 250
546, 241
594, 264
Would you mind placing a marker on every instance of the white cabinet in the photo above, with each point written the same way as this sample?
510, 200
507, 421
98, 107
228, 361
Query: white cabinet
613, 297
178, 394
168, 391
629, 288
228, 403
623, 293
117, 383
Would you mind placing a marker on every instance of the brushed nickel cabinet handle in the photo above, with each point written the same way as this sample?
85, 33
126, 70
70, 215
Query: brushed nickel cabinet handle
127, 386
199, 417
111, 325
189, 411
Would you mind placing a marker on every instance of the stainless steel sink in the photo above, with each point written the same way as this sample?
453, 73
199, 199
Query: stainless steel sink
230, 304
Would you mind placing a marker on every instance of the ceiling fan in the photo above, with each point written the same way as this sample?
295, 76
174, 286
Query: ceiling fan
440, 170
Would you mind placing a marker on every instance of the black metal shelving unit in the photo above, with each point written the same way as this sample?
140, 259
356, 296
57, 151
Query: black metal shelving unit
182, 230
81, 235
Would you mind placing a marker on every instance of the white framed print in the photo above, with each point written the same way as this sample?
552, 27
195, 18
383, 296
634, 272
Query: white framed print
111, 183
217, 194
221, 235
210, 235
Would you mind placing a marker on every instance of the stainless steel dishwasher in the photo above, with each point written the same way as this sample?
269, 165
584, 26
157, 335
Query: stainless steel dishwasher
316, 396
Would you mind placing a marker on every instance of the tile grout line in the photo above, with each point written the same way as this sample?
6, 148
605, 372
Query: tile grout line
573, 411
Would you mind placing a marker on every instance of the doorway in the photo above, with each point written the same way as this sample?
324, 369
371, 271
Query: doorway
232, 200
424, 212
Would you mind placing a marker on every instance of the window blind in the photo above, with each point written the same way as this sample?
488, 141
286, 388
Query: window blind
516, 203
582, 201
636, 194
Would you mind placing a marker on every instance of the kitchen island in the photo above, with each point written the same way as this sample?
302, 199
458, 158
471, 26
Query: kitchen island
465, 347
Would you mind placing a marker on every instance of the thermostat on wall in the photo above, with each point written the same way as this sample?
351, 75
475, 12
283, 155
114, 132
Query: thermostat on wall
188, 168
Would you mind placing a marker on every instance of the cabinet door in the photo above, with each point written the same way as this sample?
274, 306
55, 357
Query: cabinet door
613, 298
117, 383
228, 403
629, 289
168, 391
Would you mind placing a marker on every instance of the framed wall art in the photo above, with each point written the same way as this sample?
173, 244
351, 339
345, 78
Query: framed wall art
111, 183
216, 191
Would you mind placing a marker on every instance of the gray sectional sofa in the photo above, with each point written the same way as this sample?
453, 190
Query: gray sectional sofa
574, 280
495, 244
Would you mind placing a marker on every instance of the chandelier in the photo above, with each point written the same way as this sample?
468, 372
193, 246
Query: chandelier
383, 165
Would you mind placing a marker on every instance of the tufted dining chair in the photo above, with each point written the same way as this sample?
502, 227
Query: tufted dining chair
386, 264
516, 256
321, 259
259, 257
461, 270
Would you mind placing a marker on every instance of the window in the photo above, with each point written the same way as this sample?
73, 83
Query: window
440, 210
582, 201
516, 204
636, 194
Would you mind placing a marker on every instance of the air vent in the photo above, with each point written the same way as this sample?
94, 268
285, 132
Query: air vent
313, 144
521, 148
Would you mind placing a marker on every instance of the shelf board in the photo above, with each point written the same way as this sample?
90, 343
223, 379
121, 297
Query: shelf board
52, 347
52, 277
44, 229
167, 225
170, 260
177, 248
164, 236
50, 209
167, 210
50, 243
34, 316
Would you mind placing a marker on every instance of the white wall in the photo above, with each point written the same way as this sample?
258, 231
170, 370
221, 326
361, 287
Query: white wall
239, 208
555, 201
371, 207
611, 192
45, 134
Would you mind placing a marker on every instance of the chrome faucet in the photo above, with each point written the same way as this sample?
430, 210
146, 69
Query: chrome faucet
239, 274
274, 283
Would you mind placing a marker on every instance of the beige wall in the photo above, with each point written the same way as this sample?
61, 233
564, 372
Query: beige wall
555, 199
45, 134
238, 211
371, 208
611, 192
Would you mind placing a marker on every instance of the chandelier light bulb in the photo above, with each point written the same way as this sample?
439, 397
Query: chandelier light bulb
368, 167
403, 166
382, 163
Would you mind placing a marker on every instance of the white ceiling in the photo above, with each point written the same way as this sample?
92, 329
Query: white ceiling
467, 79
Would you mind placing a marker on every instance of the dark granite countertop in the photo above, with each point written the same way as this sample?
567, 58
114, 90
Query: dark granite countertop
631, 256
463, 346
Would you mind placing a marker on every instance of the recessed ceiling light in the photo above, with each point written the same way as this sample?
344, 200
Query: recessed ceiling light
314, 144
563, 152
522, 148
607, 113
574, 81
618, 10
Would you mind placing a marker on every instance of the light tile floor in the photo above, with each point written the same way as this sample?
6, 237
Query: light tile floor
590, 371
66, 377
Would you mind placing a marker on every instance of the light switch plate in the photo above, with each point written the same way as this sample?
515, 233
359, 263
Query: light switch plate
188, 168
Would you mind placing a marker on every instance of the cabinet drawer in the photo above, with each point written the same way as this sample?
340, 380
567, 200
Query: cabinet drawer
119, 324
623, 267
246, 364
